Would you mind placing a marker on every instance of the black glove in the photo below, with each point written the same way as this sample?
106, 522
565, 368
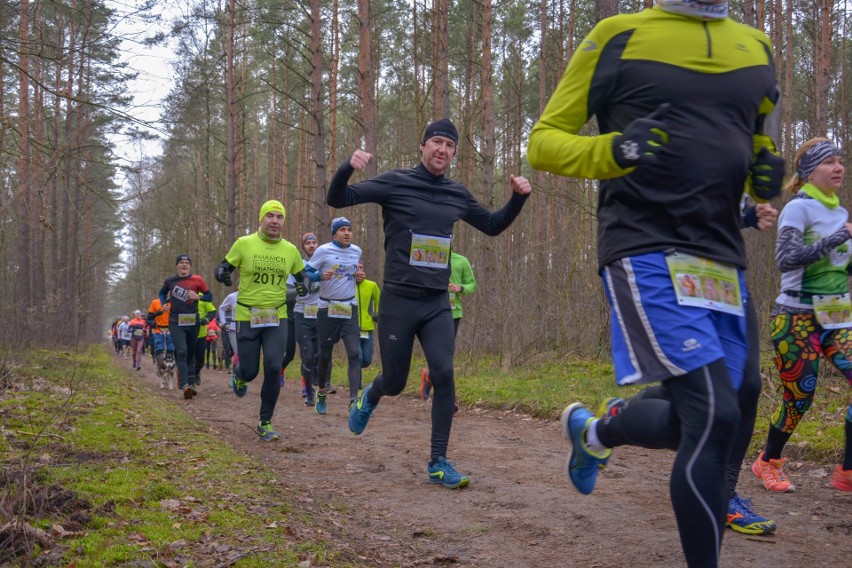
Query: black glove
222, 275
767, 174
641, 140
301, 290
203, 321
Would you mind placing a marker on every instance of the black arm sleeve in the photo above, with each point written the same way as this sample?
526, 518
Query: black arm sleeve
791, 252
494, 223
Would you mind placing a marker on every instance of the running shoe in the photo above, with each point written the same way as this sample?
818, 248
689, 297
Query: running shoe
425, 384
239, 386
266, 433
742, 519
444, 473
611, 407
360, 413
309, 399
582, 465
188, 392
842, 478
321, 405
771, 474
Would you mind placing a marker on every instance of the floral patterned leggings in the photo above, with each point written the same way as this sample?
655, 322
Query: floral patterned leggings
799, 339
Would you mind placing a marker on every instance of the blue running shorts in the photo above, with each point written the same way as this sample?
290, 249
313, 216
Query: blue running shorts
654, 338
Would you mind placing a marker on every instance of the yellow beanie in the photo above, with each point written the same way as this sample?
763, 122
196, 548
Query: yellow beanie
271, 205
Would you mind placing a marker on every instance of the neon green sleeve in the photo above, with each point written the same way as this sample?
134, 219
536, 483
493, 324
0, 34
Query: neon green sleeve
555, 143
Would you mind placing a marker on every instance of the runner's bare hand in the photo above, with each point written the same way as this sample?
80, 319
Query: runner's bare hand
520, 185
360, 159
766, 216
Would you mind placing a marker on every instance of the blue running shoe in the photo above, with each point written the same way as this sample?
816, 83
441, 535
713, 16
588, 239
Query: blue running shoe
742, 519
321, 405
239, 386
309, 398
444, 473
583, 464
266, 433
360, 412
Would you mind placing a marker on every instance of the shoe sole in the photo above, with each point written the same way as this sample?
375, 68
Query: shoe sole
750, 531
463, 483
566, 433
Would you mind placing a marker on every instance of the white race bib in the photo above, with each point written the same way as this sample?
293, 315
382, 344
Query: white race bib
705, 283
340, 310
833, 311
263, 317
430, 251
186, 319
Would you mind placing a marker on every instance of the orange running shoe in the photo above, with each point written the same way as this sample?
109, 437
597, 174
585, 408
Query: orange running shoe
842, 478
425, 384
771, 474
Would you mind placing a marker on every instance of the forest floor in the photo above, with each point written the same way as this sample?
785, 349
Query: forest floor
371, 491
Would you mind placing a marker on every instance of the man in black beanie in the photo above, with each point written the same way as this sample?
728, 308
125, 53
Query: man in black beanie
420, 207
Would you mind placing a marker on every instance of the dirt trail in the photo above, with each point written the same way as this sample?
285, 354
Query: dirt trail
519, 510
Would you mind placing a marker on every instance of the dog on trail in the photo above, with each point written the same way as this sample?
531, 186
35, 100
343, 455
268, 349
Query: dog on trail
166, 370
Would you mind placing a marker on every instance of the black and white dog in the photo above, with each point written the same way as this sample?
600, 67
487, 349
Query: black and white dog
166, 370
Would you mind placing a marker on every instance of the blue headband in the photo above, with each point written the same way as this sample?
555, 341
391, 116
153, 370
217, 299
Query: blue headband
814, 156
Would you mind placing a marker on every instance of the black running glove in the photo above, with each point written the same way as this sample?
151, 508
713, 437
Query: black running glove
222, 273
767, 175
641, 140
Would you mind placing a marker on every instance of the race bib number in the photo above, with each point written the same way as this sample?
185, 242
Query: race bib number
430, 251
137, 333
340, 310
311, 311
263, 317
833, 311
186, 319
705, 283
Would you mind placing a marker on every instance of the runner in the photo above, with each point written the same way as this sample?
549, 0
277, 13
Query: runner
334, 266
420, 206
670, 87
206, 314
462, 283
290, 350
137, 338
264, 259
305, 312
227, 311
368, 294
125, 335
813, 314
158, 319
183, 291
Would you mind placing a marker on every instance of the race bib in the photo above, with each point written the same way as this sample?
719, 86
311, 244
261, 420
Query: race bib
311, 311
263, 317
705, 283
833, 311
186, 319
430, 251
340, 310
137, 333
454, 301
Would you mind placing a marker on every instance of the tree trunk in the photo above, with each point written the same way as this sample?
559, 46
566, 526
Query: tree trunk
317, 107
440, 61
231, 126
